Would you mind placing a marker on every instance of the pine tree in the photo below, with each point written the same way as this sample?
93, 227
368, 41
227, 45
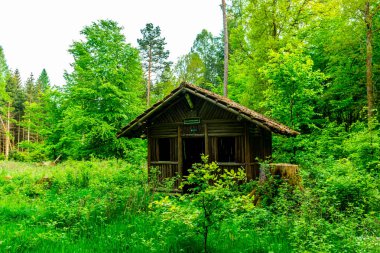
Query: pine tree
16, 92
31, 97
43, 82
153, 54
5, 105
30, 89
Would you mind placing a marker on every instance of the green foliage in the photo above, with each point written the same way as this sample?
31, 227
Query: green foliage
3, 67
16, 92
293, 87
48, 207
212, 196
154, 56
203, 65
152, 49
43, 82
102, 206
103, 93
190, 68
164, 85
363, 146
210, 51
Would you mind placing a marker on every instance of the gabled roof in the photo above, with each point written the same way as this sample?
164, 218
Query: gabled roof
223, 102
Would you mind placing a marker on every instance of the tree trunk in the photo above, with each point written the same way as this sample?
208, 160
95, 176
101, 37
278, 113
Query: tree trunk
18, 132
6, 125
8, 132
369, 53
225, 77
28, 132
149, 77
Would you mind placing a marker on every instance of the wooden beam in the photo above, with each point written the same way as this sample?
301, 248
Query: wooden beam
228, 109
247, 152
164, 163
142, 119
180, 162
149, 152
207, 152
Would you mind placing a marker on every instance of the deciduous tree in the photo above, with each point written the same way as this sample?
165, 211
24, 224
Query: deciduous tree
103, 92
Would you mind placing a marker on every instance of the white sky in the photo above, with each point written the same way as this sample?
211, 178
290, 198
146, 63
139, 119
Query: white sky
36, 34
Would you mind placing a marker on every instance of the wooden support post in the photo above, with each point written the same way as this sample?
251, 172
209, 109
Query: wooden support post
180, 158
207, 151
247, 152
149, 151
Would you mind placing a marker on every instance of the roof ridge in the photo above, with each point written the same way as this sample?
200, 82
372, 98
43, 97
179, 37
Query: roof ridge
225, 102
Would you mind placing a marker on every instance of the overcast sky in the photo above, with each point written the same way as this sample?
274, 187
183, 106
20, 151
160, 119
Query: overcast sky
36, 34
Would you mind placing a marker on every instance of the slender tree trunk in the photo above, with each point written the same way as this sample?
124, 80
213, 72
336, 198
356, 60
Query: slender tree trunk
8, 132
225, 29
6, 128
369, 43
28, 133
18, 132
5, 136
149, 77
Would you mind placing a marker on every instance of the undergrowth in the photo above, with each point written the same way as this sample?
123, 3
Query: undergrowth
107, 206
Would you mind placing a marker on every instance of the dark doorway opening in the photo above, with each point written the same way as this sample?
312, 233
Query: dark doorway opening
226, 149
192, 150
164, 149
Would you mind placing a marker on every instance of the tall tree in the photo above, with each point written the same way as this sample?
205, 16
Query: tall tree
31, 97
30, 89
5, 104
164, 85
16, 92
343, 43
191, 68
293, 91
153, 54
43, 82
256, 28
210, 51
103, 92
225, 31
371, 8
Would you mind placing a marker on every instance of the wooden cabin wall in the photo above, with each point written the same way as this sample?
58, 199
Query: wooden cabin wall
251, 141
165, 169
260, 141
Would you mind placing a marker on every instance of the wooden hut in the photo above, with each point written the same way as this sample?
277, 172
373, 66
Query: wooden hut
191, 121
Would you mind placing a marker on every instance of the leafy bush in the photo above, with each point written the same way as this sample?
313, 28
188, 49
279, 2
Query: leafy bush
212, 195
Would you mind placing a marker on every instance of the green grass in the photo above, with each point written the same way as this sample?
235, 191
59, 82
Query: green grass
106, 206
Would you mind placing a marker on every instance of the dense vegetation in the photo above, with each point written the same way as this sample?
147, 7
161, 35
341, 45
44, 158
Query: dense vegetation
312, 65
98, 206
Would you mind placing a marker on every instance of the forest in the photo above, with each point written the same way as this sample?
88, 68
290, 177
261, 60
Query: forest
68, 184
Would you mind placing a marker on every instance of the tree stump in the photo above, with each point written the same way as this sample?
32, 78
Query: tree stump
289, 173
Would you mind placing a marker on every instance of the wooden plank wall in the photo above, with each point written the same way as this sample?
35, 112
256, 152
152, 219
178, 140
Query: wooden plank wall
251, 141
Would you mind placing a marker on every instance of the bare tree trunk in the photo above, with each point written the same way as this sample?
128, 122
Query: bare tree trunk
369, 41
8, 132
149, 77
225, 77
18, 132
28, 133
